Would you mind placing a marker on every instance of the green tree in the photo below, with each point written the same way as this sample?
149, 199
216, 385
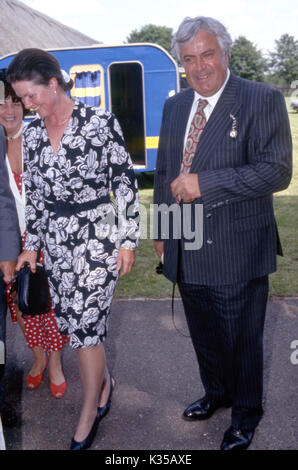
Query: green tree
246, 60
161, 35
284, 60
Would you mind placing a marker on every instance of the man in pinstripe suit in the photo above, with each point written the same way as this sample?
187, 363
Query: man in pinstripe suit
243, 156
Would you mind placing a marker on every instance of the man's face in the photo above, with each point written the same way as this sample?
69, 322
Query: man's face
204, 62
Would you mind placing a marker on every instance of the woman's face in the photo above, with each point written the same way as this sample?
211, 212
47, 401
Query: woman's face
39, 98
11, 116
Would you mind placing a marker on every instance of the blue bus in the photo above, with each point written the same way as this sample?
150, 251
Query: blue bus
132, 81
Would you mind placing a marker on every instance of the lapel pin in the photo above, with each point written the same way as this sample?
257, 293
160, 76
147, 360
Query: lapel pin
233, 133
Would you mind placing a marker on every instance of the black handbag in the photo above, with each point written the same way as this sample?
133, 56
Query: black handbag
33, 291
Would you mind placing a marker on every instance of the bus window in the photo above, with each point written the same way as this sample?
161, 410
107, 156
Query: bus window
88, 84
127, 103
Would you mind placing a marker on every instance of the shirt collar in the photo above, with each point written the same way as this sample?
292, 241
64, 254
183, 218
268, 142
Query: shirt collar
212, 100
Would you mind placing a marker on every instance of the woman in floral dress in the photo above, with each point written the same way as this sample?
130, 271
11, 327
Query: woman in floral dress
40, 331
74, 157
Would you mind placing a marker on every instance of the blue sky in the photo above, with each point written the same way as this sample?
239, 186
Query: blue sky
111, 21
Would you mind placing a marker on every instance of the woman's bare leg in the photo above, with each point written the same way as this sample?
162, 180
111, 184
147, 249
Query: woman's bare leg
92, 366
56, 374
105, 389
39, 354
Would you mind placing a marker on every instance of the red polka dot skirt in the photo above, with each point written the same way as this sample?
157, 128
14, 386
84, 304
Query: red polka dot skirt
40, 330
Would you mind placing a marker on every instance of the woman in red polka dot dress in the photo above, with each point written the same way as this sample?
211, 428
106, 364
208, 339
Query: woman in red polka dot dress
40, 331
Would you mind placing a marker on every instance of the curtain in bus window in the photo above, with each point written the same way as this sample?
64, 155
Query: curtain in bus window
87, 87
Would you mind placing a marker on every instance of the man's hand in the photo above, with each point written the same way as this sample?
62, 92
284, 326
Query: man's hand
159, 248
186, 187
8, 268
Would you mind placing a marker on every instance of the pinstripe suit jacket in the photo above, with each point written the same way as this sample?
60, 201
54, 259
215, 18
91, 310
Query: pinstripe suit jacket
237, 178
9, 225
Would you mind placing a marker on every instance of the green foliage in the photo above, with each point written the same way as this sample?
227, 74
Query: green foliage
246, 61
161, 35
284, 61
285, 280
281, 68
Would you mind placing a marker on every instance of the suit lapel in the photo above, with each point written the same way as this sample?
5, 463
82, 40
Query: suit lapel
218, 124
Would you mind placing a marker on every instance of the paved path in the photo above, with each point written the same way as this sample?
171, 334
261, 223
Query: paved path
156, 378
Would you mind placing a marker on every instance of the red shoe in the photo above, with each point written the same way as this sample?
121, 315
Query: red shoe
58, 390
34, 382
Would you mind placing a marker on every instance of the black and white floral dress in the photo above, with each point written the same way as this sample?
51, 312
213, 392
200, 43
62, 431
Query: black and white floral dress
71, 217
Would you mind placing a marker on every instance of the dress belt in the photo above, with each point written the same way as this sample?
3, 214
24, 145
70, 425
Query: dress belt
68, 208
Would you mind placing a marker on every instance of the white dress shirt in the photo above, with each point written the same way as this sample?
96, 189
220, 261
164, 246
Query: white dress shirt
20, 200
212, 100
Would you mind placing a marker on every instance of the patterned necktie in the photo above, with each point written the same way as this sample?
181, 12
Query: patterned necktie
194, 134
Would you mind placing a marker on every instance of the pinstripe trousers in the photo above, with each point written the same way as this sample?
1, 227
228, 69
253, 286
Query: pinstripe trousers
226, 325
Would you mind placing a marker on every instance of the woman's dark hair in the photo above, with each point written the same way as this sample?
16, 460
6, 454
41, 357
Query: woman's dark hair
38, 66
9, 91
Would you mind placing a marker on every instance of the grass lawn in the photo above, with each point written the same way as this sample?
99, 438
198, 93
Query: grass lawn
285, 281
144, 282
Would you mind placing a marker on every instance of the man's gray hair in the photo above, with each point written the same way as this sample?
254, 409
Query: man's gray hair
190, 27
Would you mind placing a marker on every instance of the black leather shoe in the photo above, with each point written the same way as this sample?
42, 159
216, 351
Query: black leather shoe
203, 409
102, 411
236, 439
86, 443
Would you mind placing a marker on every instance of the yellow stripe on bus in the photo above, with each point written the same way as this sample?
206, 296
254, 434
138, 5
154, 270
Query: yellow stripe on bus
152, 142
88, 91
